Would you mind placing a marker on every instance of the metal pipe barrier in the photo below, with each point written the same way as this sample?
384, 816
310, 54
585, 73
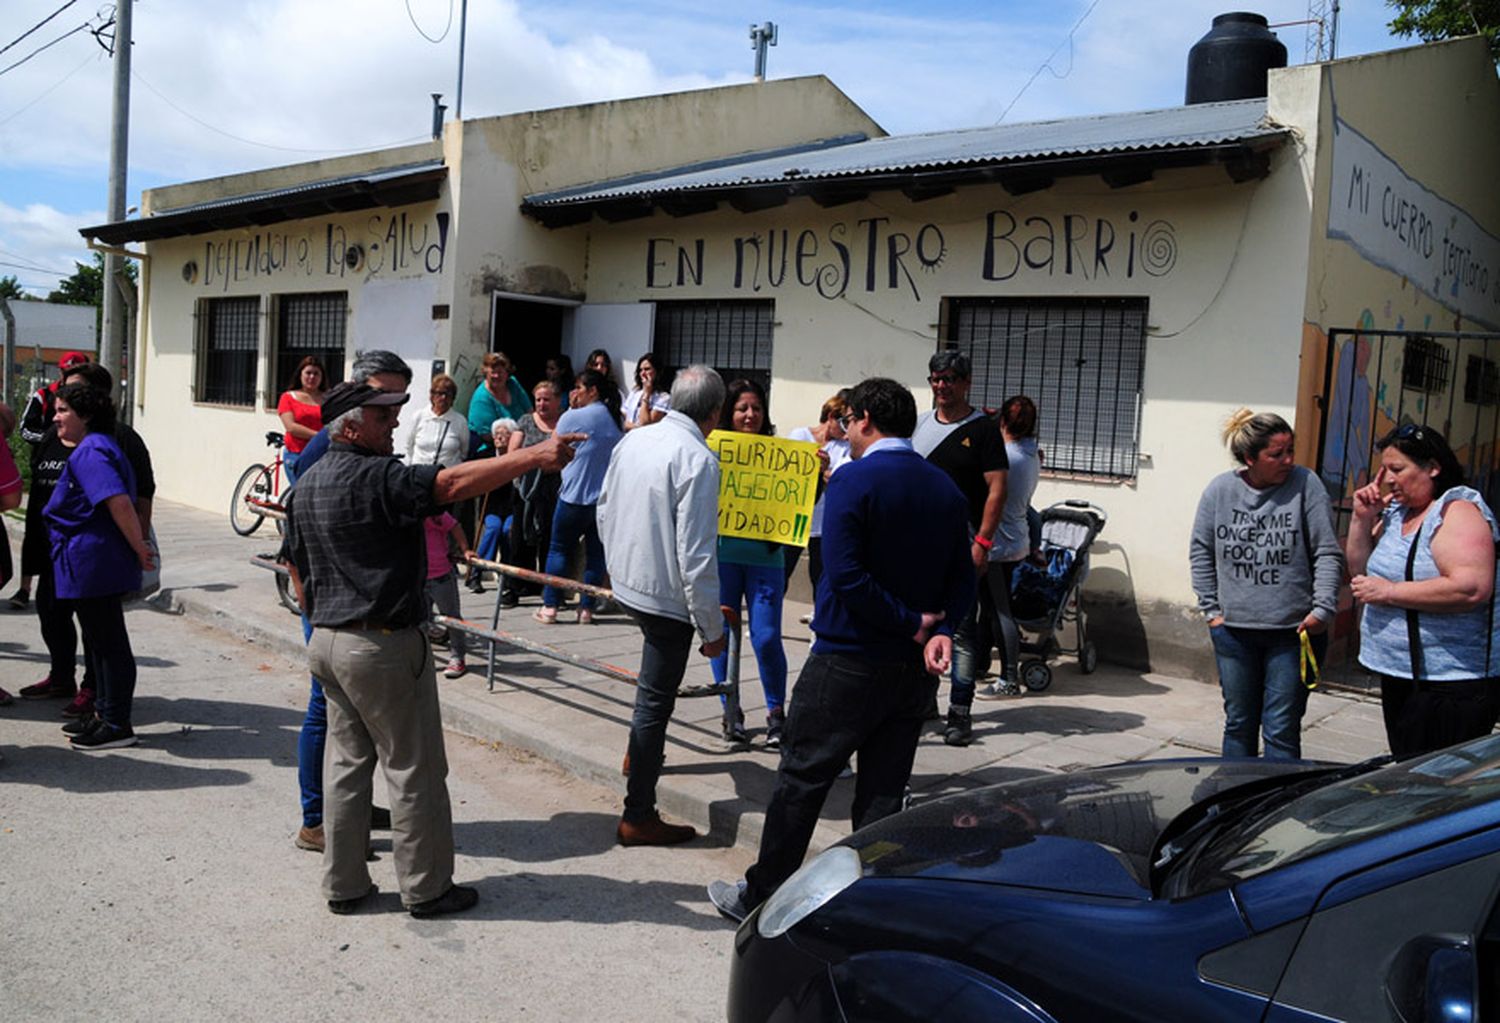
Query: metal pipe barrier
730, 689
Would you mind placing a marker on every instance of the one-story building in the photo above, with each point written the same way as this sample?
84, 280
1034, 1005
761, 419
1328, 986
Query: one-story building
1139, 275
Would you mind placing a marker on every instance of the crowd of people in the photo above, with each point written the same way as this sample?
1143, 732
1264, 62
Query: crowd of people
919, 525
87, 543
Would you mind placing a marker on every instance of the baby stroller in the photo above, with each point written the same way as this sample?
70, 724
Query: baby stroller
1044, 597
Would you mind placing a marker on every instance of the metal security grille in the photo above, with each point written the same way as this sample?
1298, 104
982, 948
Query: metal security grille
1482, 381
1424, 365
733, 336
1080, 360
228, 348
308, 325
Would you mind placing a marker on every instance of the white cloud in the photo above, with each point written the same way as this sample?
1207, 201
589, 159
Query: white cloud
40, 236
314, 78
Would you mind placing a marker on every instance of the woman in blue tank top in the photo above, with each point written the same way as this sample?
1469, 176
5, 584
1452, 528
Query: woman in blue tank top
1422, 553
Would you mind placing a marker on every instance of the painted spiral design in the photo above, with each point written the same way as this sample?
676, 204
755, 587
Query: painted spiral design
1158, 248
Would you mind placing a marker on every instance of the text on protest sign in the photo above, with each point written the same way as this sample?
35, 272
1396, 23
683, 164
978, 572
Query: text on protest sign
767, 486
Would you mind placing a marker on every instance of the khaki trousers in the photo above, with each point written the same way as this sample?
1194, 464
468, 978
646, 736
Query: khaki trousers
383, 705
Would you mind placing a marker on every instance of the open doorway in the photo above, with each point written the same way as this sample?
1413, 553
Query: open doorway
530, 331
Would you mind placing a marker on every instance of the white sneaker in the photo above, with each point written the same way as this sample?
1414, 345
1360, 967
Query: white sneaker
456, 668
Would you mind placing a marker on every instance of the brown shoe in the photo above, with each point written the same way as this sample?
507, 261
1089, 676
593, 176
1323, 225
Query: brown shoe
625, 765
653, 831
310, 839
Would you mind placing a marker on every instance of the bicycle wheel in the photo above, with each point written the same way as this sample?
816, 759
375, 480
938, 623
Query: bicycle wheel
288, 594
254, 482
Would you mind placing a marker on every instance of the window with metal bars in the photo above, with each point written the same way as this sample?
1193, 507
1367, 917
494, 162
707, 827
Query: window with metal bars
731, 335
1482, 381
1080, 360
1424, 365
228, 349
307, 325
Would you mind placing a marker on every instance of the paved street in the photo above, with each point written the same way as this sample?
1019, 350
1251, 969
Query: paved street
174, 860
160, 882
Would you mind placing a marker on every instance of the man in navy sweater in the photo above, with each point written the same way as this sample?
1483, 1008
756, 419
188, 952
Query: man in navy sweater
897, 576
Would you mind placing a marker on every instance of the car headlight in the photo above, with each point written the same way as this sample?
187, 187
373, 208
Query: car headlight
804, 892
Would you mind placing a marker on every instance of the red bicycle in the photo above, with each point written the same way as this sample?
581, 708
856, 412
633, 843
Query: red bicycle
259, 489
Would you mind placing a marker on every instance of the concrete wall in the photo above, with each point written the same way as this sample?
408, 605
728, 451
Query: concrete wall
504, 159
1405, 236
1224, 280
454, 252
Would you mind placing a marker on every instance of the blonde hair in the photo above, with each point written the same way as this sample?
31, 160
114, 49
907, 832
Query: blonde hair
1247, 433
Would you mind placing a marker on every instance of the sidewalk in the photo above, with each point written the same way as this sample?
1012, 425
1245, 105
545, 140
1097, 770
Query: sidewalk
580, 720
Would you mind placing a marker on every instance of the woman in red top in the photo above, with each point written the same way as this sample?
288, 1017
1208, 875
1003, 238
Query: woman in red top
301, 412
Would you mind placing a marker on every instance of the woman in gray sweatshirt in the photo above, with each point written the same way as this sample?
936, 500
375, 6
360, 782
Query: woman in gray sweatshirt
1266, 567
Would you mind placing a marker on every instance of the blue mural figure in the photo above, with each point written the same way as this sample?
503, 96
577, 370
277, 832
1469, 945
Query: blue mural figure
1351, 416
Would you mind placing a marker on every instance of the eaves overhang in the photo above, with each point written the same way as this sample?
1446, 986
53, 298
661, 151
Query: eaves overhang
1123, 149
393, 186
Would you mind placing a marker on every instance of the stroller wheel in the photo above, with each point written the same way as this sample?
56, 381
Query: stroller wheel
1088, 658
1035, 675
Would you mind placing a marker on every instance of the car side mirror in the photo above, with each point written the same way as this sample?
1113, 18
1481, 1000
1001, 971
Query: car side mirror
1434, 980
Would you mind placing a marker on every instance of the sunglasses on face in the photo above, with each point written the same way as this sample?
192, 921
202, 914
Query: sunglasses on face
442, 394
844, 421
942, 379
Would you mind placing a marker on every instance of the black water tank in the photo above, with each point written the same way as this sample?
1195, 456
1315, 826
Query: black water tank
1232, 60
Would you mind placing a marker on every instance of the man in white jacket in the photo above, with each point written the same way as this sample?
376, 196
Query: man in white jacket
658, 518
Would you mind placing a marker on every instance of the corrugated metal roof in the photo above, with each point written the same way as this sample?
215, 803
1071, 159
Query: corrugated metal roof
384, 186
373, 177
1187, 127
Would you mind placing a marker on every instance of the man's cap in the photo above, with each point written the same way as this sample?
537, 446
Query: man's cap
343, 397
72, 360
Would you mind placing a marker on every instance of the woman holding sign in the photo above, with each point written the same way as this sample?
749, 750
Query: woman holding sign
1266, 567
752, 572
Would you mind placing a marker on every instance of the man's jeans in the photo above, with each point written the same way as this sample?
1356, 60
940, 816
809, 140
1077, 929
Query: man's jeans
663, 660
841, 705
311, 742
1259, 672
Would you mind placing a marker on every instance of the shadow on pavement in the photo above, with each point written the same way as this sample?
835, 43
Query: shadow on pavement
563, 836
68, 770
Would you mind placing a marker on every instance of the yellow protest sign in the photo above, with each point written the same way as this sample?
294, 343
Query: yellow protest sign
767, 486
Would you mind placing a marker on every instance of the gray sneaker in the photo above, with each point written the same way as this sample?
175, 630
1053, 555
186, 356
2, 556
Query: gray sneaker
998, 690
728, 898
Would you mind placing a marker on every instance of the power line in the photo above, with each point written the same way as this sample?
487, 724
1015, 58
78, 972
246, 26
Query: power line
1046, 65
48, 46
266, 145
38, 25
446, 28
47, 91
35, 269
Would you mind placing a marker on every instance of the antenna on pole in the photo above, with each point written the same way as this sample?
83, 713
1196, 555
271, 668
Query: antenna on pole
762, 36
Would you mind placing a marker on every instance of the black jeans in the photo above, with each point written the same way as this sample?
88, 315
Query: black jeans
1421, 717
55, 616
663, 660
841, 705
108, 649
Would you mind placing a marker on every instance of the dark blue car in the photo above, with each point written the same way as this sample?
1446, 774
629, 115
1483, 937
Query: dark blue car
1160, 891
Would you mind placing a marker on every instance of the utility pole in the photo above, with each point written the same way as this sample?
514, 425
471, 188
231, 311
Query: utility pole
112, 341
463, 28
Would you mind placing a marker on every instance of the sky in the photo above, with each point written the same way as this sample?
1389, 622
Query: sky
220, 88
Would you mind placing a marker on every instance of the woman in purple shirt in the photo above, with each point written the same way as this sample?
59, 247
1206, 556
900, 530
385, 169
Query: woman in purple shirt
98, 553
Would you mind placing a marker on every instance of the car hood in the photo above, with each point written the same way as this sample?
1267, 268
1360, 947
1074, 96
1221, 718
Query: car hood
1088, 832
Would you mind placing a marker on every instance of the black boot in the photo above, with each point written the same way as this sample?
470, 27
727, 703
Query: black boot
959, 730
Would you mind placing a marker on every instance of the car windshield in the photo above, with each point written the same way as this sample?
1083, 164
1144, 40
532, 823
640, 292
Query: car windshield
1349, 809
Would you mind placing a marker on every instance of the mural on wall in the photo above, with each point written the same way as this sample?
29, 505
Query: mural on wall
386, 244
1370, 394
874, 254
1396, 223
